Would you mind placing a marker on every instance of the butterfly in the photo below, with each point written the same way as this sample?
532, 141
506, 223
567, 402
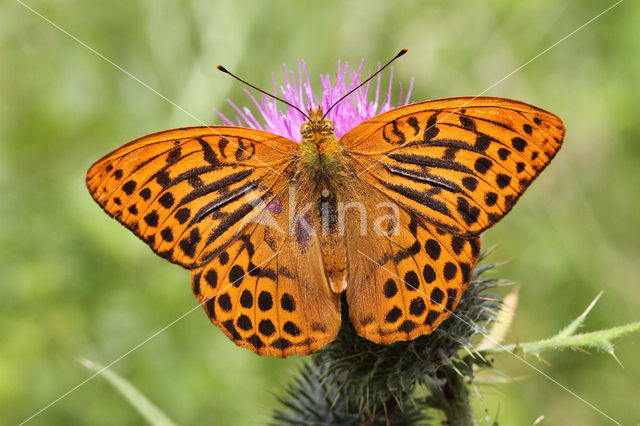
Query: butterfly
275, 232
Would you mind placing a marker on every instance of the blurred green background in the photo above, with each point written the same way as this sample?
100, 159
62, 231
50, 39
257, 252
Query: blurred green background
74, 283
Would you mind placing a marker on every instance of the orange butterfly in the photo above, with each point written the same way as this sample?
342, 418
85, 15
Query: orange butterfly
274, 232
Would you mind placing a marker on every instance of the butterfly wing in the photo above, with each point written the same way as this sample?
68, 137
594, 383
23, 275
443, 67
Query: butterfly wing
453, 168
214, 200
272, 296
405, 275
181, 189
458, 163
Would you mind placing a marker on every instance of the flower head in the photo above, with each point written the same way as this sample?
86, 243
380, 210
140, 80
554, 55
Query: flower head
350, 112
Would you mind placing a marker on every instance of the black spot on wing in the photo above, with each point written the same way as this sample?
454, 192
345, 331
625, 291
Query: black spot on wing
467, 123
145, 194
407, 326
490, 199
470, 183
432, 316
437, 295
174, 155
417, 306
244, 322
483, 142
482, 165
503, 180
246, 299
392, 134
224, 301
129, 187
519, 144
287, 302
433, 249
265, 301
408, 252
411, 281
503, 153
390, 288
413, 122
431, 131
182, 215
429, 274
166, 200
266, 327
188, 245
393, 315
468, 213
281, 343
208, 153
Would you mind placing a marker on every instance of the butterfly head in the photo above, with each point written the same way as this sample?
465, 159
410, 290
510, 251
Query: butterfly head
319, 147
317, 127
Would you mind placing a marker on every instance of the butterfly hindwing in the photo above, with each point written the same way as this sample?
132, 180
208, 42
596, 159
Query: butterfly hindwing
182, 189
406, 276
459, 163
267, 290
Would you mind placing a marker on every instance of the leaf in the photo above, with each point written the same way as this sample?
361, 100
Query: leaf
146, 408
571, 328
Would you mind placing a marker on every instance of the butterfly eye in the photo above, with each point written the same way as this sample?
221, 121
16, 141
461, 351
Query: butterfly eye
328, 126
305, 128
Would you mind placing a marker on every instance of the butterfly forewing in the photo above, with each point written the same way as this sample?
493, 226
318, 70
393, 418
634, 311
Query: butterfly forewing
459, 163
184, 191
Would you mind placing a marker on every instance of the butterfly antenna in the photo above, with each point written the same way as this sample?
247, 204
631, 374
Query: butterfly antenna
402, 52
224, 70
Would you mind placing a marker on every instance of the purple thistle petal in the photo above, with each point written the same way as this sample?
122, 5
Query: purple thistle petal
225, 120
406, 101
297, 90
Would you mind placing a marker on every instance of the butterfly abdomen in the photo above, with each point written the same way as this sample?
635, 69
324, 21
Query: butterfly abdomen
332, 244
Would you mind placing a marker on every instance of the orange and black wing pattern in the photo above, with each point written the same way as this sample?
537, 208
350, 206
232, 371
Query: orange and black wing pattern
215, 200
184, 191
458, 163
452, 168
405, 275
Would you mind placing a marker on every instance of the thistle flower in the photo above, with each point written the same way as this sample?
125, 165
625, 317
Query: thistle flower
352, 111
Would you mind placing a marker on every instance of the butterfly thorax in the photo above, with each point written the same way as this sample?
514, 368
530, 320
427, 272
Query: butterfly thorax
320, 151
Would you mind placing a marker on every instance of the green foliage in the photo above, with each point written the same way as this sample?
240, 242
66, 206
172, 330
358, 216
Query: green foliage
152, 414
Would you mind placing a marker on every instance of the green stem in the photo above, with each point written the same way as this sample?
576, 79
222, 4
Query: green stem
601, 340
